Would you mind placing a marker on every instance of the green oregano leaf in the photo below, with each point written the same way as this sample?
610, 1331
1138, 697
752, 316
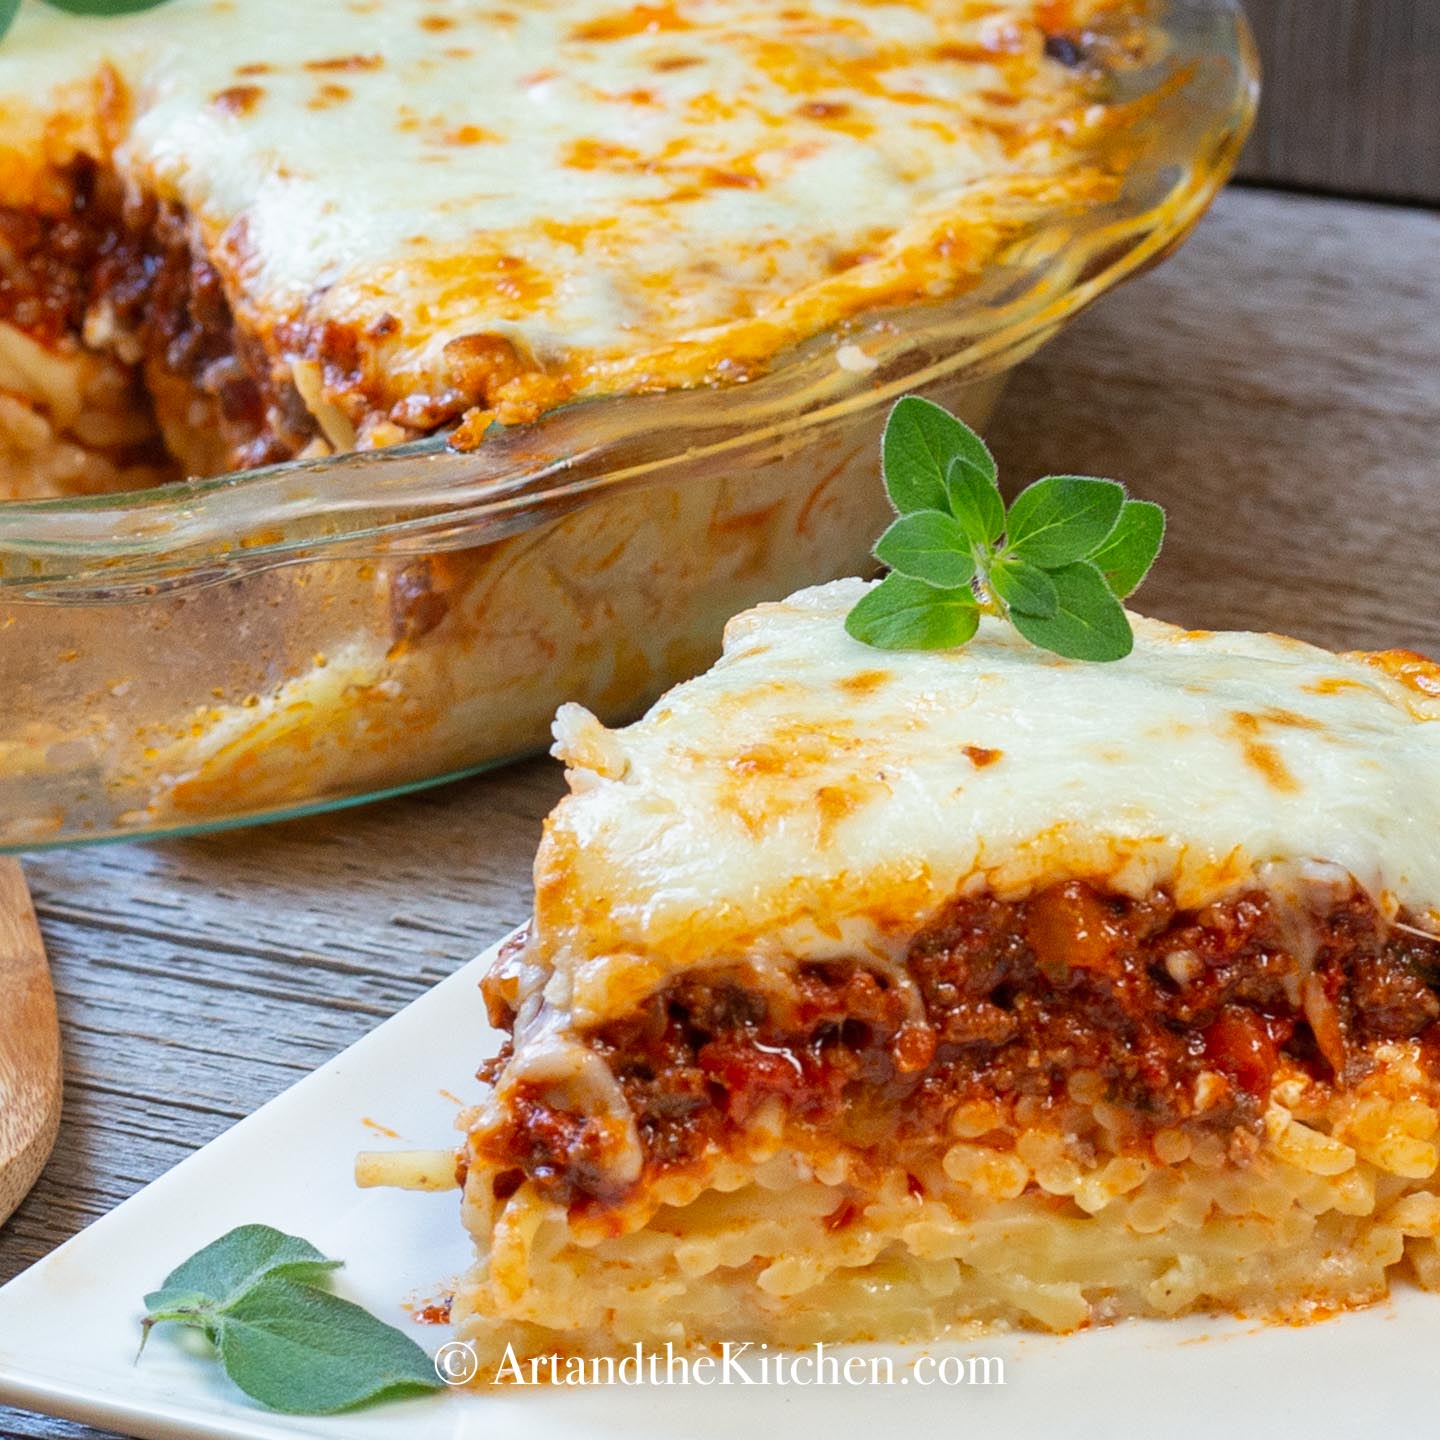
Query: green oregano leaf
229, 1266
1127, 555
1055, 566
974, 501
1089, 623
919, 443
10, 8
104, 7
927, 545
905, 614
256, 1295
1062, 518
308, 1352
1024, 587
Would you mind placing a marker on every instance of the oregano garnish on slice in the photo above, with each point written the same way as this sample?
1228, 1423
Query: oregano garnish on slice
1056, 564
9, 8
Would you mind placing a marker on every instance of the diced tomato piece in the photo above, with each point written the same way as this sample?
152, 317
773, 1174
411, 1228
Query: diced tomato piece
1238, 1044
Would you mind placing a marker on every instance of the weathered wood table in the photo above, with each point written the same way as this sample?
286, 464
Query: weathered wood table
1276, 386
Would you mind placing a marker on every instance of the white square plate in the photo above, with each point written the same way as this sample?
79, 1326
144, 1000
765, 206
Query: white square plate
70, 1325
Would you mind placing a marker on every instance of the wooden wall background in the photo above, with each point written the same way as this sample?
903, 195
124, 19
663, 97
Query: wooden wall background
1351, 97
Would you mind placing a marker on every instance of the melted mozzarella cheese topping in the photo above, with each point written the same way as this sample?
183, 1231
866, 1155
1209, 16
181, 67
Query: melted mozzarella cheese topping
812, 797
633, 194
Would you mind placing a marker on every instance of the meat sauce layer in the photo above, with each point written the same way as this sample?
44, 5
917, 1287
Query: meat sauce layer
122, 272
1175, 1018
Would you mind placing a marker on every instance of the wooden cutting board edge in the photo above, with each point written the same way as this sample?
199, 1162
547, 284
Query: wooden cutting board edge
30, 1068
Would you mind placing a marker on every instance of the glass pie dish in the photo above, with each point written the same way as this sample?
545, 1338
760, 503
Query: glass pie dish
270, 642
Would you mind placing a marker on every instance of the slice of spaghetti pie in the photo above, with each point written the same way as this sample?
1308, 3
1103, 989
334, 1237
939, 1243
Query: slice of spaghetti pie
870, 994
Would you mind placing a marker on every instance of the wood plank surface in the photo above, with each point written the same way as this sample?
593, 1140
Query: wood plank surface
1351, 98
1275, 385
29, 1044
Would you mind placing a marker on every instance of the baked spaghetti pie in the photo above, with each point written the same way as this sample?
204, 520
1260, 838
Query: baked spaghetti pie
870, 994
233, 234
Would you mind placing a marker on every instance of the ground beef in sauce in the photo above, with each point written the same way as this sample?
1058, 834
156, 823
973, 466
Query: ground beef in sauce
123, 273
1018, 997
133, 261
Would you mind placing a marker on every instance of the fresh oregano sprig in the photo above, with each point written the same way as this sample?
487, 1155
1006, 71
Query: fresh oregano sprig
9, 8
1056, 565
256, 1295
